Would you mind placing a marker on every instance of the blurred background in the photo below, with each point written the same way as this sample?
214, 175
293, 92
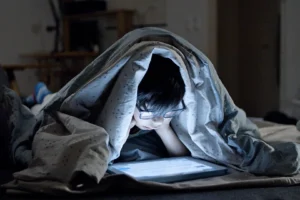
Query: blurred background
254, 44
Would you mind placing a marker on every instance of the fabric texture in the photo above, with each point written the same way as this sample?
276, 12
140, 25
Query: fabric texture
84, 127
3, 78
37, 108
18, 126
144, 145
113, 184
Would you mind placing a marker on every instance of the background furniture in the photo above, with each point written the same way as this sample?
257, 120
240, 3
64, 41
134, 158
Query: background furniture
65, 65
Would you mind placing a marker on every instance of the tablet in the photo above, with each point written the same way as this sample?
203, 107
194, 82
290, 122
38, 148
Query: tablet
168, 170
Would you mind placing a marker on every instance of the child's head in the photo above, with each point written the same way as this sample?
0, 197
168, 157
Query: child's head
160, 94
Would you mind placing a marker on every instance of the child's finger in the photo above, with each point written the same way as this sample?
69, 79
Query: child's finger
132, 123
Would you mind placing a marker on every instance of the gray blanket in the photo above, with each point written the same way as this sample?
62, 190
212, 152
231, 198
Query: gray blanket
114, 184
85, 125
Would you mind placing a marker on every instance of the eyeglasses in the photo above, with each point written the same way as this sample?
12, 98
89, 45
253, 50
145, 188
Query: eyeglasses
146, 115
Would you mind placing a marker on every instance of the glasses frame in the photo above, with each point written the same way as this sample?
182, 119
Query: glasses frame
164, 116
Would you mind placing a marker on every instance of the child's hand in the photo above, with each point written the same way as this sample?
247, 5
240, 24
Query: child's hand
132, 123
174, 146
165, 125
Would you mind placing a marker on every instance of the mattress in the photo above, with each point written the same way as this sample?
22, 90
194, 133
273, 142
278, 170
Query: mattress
235, 185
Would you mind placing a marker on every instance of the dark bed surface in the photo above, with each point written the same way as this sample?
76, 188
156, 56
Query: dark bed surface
271, 193
274, 193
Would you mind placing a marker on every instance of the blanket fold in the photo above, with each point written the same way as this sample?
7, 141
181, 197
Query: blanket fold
85, 125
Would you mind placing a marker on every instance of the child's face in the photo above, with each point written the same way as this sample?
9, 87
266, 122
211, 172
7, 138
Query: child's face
149, 124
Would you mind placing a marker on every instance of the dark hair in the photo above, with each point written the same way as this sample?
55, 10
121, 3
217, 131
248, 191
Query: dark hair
162, 87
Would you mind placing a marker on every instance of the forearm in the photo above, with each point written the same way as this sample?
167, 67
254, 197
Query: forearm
132, 124
172, 142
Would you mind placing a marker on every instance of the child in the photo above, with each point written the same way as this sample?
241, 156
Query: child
159, 99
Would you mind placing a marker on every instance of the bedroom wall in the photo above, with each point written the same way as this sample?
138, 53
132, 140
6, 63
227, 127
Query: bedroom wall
290, 48
194, 21
24, 24
23, 30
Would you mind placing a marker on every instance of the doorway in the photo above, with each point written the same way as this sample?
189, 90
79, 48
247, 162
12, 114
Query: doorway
249, 53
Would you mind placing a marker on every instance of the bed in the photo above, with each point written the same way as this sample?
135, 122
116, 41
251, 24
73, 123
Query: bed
220, 135
247, 187
260, 193
274, 193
